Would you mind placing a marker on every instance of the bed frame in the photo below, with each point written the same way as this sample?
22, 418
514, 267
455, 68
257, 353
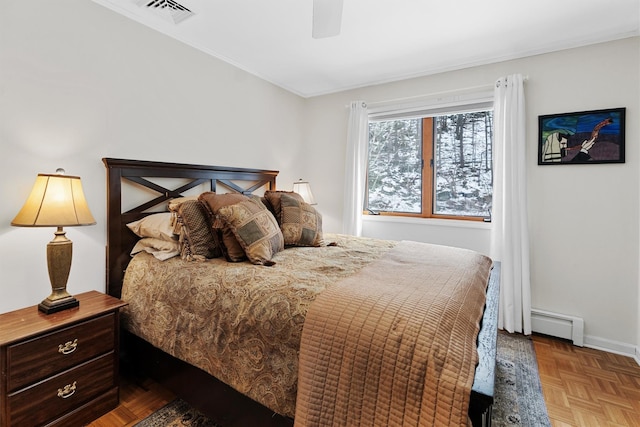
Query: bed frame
219, 401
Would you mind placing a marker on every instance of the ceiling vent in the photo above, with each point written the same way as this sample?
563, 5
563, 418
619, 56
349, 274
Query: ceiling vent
170, 10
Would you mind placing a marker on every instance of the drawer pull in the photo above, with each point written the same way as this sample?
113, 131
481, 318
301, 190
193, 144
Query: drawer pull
68, 347
67, 391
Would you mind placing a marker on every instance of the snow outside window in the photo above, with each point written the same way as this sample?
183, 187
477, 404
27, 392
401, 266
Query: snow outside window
431, 164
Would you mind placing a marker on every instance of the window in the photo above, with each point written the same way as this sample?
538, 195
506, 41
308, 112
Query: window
431, 165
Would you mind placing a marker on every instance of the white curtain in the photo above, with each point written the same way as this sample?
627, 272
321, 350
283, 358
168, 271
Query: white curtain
509, 233
355, 168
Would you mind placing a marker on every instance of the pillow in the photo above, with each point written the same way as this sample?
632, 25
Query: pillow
300, 223
159, 248
255, 229
157, 226
274, 204
174, 203
229, 244
197, 239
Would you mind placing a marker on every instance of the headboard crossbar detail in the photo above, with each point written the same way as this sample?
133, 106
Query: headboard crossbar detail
120, 240
165, 193
238, 189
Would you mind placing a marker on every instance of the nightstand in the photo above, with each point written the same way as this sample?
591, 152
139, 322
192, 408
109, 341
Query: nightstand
60, 369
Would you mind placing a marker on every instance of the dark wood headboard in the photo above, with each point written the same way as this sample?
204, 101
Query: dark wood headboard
120, 240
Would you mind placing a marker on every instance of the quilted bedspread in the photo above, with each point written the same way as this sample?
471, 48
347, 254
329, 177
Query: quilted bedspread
243, 324
395, 344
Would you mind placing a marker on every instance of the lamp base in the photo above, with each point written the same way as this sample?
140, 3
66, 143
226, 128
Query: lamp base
59, 252
49, 306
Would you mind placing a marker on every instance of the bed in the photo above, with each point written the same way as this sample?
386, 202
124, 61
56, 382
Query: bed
170, 356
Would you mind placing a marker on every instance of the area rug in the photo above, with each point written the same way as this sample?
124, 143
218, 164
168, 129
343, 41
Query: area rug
177, 413
518, 393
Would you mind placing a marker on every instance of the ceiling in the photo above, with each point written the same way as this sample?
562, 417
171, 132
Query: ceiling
382, 40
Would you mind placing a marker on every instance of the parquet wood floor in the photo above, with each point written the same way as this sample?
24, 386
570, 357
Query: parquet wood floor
582, 387
138, 399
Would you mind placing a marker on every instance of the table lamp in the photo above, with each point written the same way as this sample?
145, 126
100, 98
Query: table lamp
303, 188
56, 200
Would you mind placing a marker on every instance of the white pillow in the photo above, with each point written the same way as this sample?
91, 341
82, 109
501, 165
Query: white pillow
157, 226
161, 249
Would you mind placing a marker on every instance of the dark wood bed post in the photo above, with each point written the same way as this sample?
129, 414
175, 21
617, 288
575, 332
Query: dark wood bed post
114, 242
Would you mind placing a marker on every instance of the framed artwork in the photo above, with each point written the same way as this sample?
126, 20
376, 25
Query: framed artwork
581, 138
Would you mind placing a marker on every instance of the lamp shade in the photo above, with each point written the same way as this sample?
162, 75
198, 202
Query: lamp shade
303, 188
55, 200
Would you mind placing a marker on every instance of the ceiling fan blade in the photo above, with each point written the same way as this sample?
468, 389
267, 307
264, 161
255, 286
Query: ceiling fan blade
327, 17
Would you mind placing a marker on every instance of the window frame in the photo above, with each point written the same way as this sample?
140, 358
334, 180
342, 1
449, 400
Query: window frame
426, 110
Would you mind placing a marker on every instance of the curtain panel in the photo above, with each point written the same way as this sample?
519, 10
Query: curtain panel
509, 233
355, 168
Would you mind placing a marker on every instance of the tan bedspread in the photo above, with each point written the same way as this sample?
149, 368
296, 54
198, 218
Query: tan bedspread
243, 323
395, 344
240, 322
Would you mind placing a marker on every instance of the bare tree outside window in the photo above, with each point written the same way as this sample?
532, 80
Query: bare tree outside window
463, 167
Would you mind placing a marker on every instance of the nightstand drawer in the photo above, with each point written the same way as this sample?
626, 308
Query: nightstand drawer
45, 355
59, 394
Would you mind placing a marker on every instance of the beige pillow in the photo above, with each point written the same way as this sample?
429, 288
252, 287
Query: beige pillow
161, 249
156, 225
300, 223
273, 201
197, 238
229, 244
255, 229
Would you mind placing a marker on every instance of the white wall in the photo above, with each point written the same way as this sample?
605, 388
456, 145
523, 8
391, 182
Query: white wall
463, 234
583, 219
78, 83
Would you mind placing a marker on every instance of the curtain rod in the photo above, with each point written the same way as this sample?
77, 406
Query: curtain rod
486, 87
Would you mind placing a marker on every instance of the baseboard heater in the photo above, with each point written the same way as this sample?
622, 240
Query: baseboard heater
558, 325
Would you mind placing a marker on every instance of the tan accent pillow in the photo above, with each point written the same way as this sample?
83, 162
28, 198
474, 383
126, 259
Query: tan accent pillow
273, 201
301, 223
197, 238
255, 229
155, 225
230, 246
174, 203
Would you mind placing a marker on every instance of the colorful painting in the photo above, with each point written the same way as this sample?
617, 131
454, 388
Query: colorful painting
581, 138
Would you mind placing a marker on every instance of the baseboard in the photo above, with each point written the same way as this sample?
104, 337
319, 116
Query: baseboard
558, 325
572, 328
611, 346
